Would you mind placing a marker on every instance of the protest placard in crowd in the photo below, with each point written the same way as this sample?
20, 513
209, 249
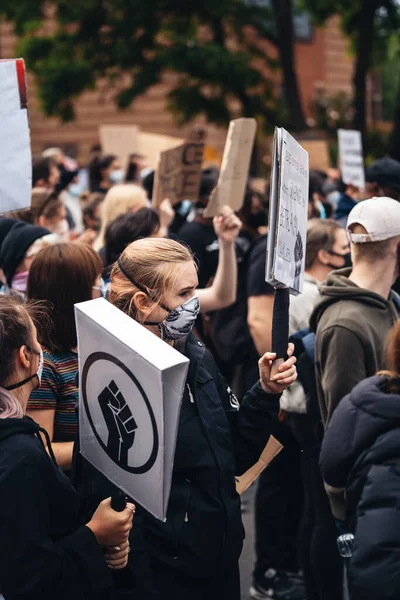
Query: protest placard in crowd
131, 387
15, 147
232, 180
351, 157
121, 140
151, 144
178, 174
288, 213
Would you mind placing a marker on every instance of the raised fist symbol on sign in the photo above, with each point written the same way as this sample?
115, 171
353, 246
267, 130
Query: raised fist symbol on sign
120, 423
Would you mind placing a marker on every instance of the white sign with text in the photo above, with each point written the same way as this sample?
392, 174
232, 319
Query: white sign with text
288, 213
351, 157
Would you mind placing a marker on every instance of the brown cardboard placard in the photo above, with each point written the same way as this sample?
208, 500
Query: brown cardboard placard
235, 167
270, 451
121, 140
178, 174
151, 144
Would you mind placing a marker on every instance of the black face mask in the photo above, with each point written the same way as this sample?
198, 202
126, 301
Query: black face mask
258, 219
346, 257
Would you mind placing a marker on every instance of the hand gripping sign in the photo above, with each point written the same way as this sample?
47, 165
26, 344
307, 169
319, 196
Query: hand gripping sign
15, 146
131, 388
287, 231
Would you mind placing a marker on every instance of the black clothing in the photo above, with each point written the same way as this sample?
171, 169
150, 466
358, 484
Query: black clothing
15, 245
256, 284
202, 240
44, 553
385, 172
361, 453
203, 535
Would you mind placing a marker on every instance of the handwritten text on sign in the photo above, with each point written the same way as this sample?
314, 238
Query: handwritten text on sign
292, 220
178, 174
351, 157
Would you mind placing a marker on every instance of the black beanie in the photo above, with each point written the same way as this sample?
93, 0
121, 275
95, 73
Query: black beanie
385, 172
16, 244
5, 226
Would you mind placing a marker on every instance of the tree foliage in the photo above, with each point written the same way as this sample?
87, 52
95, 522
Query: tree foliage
131, 45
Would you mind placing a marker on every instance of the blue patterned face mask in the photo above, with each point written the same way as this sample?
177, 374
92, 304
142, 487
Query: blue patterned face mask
180, 320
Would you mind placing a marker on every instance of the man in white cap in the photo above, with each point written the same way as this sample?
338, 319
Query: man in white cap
357, 308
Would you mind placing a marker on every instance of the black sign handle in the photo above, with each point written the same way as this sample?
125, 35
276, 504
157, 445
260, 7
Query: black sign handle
118, 501
280, 328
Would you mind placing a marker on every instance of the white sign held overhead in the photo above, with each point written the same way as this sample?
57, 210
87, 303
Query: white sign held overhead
288, 213
232, 179
129, 402
15, 147
351, 157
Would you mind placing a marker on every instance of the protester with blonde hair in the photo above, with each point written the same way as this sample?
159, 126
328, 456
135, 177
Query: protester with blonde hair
120, 199
195, 553
45, 551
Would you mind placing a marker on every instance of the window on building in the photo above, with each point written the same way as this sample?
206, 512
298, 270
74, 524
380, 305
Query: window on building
303, 30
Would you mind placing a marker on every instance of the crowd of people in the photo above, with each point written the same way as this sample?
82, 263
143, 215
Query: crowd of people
325, 509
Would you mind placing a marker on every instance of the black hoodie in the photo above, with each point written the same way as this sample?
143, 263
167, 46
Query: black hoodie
43, 551
361, 453
351, 325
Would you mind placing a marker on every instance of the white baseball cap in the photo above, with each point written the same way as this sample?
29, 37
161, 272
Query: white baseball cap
380, 217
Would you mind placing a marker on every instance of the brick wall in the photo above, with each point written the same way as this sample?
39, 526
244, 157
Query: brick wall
324, 58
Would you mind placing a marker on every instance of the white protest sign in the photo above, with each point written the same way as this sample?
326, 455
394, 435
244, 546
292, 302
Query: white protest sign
351, 157
15, 147
121, 140
231, 184
131, 388
178, 174
288, 214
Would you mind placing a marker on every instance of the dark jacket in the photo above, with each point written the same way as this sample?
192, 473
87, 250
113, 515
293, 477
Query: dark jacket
43, 551
203, 534
344, 208
361, 452
351, 325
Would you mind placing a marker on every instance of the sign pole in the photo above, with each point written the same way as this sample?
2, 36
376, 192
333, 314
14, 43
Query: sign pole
280, 328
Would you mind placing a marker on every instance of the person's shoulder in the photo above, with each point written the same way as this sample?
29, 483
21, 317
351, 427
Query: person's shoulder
21, 451
60, 359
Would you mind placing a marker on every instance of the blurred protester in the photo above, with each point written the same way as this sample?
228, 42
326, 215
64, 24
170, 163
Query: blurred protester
104, 172
374, 230
136, 164
18, 250
121, 199
199, 234
361, 454
45, 551
49, 211
67, 167
194, 554
124, 230
45, 173
91, 213
327, 249
71, 197
383, 178
61, 275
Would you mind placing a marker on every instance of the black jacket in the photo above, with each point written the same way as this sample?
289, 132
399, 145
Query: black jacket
361, 453
203, 533
43, 551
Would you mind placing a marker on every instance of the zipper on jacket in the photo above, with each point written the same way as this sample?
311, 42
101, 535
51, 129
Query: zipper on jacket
191, 397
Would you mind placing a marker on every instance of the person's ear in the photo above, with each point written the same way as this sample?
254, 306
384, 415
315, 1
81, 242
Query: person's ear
42, 221
24, 357
141, 302
323, 256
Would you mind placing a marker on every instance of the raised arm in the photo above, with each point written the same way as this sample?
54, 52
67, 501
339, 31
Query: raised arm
222, 292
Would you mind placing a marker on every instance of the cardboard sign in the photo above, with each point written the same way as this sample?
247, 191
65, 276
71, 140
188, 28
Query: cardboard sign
15, 147
121, 140
288, 213
351, 157
178, 174
270, 451
131, 388
232, 180
151, 144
